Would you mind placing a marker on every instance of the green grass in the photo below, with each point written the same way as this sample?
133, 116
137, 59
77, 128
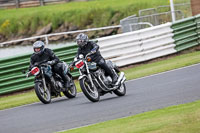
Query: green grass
98, 13
18, 100
131, 73
183, 118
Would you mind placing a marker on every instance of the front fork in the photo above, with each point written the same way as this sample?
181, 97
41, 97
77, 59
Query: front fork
88, 75
44, 82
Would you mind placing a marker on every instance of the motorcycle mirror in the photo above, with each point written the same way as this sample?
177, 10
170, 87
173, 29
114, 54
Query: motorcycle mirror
71, 68
80, 56
96, 41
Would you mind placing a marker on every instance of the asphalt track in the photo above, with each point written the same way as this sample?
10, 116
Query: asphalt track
144, 94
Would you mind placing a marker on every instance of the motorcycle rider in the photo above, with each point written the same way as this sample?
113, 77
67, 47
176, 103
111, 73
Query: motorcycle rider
45, 54
85, 46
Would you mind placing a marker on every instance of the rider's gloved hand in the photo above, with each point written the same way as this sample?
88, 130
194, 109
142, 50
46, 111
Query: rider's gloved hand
51, 62
75, 59
93, 51
36, 64
27, 75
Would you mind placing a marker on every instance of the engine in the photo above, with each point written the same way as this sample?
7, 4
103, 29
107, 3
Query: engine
101, 74
106, 79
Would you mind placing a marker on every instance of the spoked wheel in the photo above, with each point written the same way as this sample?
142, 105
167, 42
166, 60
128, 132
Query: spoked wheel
44, 96
90, 92
121, 91
72, 91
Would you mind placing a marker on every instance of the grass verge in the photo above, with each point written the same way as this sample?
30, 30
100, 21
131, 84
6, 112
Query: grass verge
95, 13
131, 73
183, 118
81, 14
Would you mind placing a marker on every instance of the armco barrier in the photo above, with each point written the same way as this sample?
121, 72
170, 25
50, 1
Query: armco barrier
142, 45
197, 20
185, 34
11, 77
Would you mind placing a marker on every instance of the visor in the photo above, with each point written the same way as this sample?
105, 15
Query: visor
80, 42
37, 50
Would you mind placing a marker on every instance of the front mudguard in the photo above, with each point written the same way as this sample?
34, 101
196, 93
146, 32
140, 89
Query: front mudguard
37, 80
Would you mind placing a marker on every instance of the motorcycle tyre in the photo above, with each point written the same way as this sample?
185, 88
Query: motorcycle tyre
67, 93
37, 91
86, 93
118, 92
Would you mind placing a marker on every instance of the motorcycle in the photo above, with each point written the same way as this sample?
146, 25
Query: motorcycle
93, 80
49, 84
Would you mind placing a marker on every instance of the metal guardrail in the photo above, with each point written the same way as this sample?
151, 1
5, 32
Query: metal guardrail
138, 46
56, 34
156, 10
140, 23
154, 16
185, 33
130, 24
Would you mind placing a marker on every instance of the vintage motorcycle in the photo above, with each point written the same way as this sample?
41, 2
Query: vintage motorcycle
93, 80
49, 84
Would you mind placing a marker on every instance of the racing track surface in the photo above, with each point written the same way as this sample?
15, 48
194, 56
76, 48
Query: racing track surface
144, 94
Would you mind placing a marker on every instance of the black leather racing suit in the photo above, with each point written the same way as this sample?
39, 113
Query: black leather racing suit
48, 55
96, 57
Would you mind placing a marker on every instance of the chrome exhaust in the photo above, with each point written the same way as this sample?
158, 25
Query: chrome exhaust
121, 78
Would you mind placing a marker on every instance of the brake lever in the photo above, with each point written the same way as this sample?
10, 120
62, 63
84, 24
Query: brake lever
44, 64
28, 74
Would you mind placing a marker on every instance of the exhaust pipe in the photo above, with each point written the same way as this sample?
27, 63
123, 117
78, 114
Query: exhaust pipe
121, 78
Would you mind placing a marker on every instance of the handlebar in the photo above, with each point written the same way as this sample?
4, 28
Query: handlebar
72, 64
40, 63
44, 64
88, 55
28, 74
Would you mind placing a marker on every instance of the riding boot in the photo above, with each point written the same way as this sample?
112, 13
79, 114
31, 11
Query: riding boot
108, 70
114, 77
66, 80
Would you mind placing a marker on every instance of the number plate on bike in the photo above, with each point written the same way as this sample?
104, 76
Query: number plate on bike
79, 64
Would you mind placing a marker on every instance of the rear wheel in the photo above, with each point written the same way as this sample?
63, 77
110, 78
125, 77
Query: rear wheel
72, 91
121, 91
90, 92
44, 96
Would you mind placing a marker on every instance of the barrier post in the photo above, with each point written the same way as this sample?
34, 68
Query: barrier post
41, 2
17, 3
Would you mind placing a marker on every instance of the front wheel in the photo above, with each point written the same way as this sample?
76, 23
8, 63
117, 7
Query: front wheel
90, 92
121, 91
44, 96
72, 91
